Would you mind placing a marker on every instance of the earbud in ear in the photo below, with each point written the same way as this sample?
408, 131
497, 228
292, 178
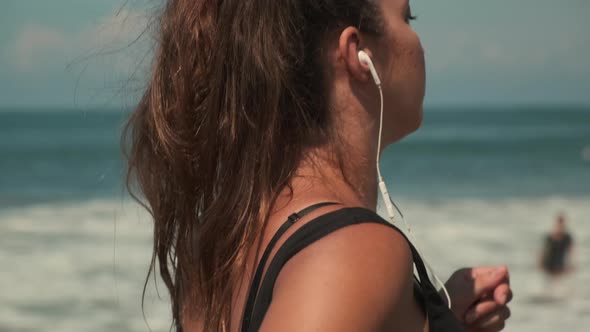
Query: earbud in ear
366, 60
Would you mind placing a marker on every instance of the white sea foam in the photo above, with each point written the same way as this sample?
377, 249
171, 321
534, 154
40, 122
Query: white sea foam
81, 266
77, 267
459, 233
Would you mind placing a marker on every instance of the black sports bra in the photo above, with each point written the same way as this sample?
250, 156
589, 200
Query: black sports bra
441, 319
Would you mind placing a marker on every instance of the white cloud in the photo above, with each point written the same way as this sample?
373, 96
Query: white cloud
492, 53
32, 44
109, 43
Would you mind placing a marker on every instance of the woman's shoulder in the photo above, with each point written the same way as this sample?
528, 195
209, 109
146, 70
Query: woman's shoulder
356, 249
354, 278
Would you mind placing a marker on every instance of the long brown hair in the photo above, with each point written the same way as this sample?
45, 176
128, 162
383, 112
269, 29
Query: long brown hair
236, 95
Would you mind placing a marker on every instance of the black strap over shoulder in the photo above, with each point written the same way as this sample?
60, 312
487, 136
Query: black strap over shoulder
307, 234
441, 319
255, 284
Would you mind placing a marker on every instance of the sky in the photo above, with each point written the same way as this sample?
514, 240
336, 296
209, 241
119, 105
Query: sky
76, 53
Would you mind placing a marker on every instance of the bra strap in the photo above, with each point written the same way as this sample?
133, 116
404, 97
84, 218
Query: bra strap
292, 219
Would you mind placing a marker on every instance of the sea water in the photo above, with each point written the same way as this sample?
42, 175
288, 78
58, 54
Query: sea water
479, 186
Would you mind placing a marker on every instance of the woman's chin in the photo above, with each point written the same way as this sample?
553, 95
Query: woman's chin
419, 117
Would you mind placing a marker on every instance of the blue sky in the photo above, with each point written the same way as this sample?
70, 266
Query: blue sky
56, 53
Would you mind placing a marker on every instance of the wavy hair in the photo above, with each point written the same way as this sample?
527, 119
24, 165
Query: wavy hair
237, 93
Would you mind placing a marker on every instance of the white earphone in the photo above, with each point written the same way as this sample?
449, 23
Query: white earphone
366, 60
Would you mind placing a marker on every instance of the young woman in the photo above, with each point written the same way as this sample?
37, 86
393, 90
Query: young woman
255, 147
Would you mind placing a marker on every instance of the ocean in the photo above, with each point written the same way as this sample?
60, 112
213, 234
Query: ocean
480, 186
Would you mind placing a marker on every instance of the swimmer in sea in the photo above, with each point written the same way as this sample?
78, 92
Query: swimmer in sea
555, 258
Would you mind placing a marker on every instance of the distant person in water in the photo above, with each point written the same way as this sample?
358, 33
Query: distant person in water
557, 248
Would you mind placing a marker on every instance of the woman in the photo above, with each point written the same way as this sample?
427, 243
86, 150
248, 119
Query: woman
257, 110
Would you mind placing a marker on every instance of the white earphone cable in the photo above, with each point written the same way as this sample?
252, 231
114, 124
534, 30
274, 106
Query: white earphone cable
382, 186
389, 203
380, 131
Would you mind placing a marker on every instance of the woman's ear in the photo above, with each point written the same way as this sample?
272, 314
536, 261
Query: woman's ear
348, 47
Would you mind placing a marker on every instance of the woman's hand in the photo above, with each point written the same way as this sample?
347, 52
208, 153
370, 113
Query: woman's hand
480, 296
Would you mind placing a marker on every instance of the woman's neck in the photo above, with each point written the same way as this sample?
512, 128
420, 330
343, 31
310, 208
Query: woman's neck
344, 170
